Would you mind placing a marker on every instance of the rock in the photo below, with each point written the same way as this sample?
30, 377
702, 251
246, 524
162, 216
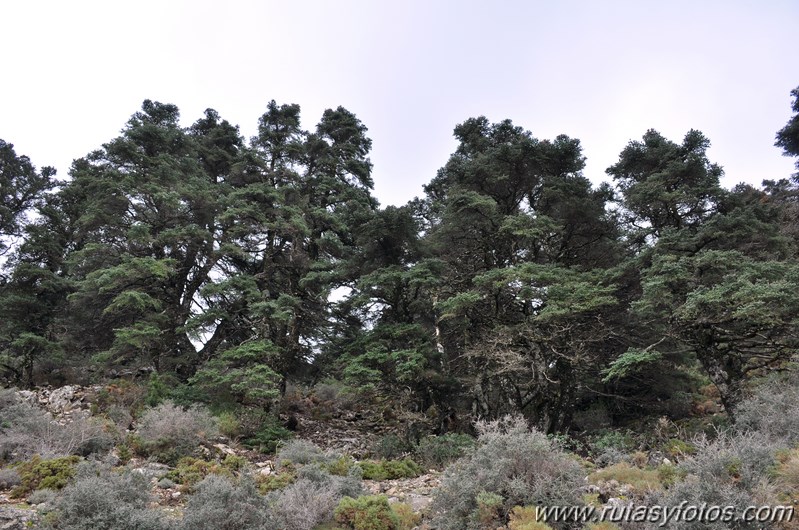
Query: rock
60, 399
152, 470
175, 495
667, 462
265, 471
12, 518
29, 396
224, 449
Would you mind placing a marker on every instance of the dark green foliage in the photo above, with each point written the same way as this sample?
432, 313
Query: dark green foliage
788, 136
268, 436
366, 513
390, 469
441, 451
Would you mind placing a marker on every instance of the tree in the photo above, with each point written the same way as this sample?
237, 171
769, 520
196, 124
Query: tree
665, 185
788, 136
524, 240
22, 189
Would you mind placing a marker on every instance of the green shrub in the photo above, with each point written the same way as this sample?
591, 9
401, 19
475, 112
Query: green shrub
440, 451
371, 512
522, 466
229, 424
44, 474
526, 518
274, 481
390, 469
190, 471
489, 510
268, 436
408, 519
340, 466
390, 446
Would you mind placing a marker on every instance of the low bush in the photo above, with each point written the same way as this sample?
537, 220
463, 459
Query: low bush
526, 518
390, 469
101, 499
267, 437
642, 480
371, 512
522, 466
220, 504
408, 519
190, 471
44, 474
302, 452
390, 446
169, 432
732, 470
9, 478
440, 451
27, 430
772, 410
304, 505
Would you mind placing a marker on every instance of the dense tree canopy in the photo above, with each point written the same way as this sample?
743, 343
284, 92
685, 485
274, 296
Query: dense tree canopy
234, 265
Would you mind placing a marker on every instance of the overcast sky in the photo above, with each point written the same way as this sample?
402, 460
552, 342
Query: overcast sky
601, 71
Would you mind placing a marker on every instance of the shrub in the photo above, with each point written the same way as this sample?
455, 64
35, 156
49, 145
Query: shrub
526, 518
229, 424
274, 481
268, 436
100, 499
641, 480
489, 510
220, 504
390, 469
440, 451
772, 411
9, 477
390, 446
303, 452
170, 432
27, 430
304, 505
732, 470
522, 466
408, 519
41, 474
371, 512
190, 471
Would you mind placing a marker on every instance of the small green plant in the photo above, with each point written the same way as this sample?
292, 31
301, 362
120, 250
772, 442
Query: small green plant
488, 511
229, 424
190, 471
274, 482
440, 451
676, 448
390, 446
369, 512
44, 474
526, 518
268, 437
408, 519
340, 466
124, 453
390, 469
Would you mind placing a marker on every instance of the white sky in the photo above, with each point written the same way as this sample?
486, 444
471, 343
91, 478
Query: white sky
602, 71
